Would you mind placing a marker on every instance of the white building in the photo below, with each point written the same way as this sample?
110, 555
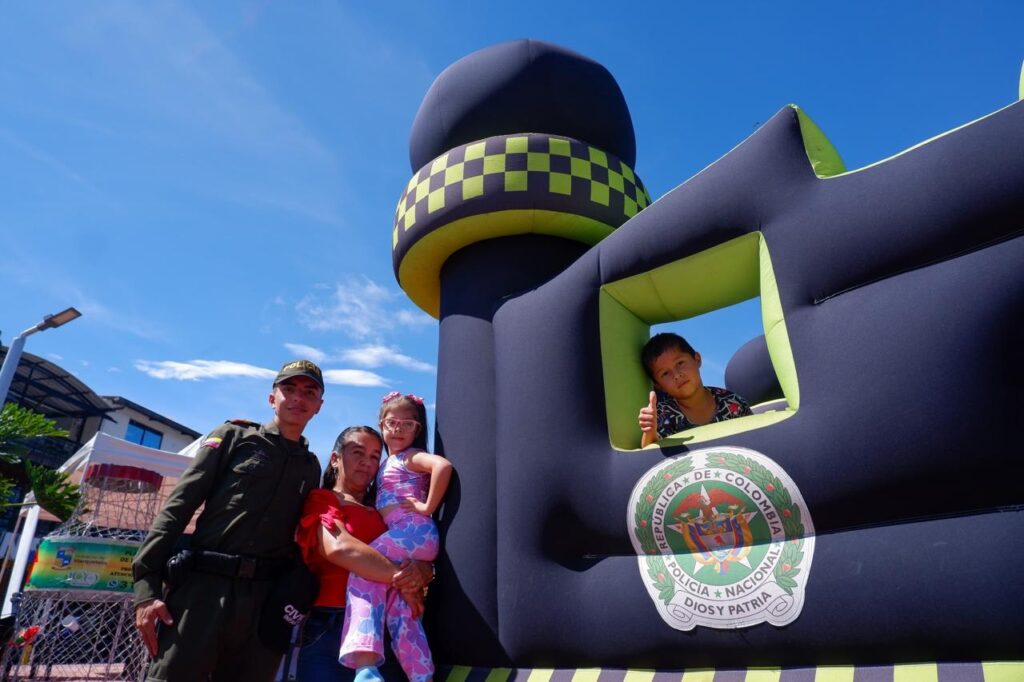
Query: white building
137, 424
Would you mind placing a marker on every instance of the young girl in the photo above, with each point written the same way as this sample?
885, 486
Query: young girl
410, 486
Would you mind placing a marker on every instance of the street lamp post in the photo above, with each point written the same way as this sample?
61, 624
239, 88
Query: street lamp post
10, 366
14, 352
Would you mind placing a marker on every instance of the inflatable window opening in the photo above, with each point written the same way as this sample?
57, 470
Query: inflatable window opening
726, 274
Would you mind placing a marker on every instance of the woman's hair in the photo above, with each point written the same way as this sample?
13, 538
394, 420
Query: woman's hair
331, 473
658, 344
395, 399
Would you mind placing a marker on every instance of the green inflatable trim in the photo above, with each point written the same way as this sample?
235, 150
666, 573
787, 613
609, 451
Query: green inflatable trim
723, 275
824, 158
419, 273
928, 141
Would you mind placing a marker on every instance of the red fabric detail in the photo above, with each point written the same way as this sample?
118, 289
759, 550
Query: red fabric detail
120, 474
323, 508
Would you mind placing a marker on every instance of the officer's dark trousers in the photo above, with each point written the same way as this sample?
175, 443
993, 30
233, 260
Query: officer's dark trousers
214, 633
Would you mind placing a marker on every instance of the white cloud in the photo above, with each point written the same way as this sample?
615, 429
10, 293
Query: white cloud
45, 158
32, 272
196, 370
378, 356
306, 352
119, 321
414, 318
54, 356
180, 74
353, 377
359, 307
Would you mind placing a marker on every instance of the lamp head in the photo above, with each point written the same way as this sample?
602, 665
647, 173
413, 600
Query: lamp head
61, 318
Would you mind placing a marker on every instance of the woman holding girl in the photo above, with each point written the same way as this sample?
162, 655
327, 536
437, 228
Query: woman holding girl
410, 487
335, 528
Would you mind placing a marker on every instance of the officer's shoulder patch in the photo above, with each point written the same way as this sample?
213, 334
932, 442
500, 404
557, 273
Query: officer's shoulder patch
212, 442
242, 422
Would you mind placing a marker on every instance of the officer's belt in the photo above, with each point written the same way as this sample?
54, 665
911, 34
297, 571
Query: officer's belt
237, 566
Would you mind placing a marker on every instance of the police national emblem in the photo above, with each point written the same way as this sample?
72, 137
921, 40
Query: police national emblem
723, 539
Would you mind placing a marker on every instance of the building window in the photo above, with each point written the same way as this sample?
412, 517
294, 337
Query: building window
137, 433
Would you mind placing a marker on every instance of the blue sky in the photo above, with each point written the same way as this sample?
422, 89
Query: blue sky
212, 184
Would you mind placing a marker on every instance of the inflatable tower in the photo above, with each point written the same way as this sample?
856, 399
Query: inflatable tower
523, 156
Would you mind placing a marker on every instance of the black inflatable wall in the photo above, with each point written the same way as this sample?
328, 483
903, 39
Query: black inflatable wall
750, 374
902, 292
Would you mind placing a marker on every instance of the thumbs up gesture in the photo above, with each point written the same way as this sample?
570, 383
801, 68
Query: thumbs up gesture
648, 420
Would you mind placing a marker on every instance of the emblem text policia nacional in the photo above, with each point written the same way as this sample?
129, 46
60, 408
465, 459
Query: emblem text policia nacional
723, 539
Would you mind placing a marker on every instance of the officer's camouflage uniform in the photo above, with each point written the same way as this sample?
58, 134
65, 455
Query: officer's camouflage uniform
253, 482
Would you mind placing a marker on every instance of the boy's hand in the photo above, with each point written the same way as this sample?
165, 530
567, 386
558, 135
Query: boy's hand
411, 504
648, 417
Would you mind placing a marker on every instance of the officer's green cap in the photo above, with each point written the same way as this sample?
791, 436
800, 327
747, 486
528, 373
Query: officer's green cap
300, 368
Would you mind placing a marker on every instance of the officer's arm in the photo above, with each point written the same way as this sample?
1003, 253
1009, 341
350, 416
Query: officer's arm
192, 489
342, 549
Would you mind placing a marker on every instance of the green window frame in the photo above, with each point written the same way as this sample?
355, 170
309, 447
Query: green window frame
723, 275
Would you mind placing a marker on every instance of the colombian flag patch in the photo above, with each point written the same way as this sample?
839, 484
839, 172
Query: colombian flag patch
212, 442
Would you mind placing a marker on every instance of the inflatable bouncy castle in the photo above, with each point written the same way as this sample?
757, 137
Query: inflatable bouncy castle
867, 522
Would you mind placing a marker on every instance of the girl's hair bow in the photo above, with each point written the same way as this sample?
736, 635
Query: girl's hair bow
395, 394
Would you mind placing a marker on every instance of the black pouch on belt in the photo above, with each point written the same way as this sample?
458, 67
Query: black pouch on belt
289, 602
177, 569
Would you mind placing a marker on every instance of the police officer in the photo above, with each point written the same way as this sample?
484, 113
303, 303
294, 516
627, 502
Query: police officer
253, 479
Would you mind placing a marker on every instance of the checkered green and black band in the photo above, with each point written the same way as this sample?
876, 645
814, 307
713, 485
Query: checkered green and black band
528, 183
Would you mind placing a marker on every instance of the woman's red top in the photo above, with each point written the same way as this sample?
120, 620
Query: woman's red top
323, 508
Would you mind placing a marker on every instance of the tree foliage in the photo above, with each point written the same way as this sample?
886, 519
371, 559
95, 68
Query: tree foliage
52, 489
18, 423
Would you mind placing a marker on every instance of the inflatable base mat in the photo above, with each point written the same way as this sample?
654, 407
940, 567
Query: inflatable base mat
993, 671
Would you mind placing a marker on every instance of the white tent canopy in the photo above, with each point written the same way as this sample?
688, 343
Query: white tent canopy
101, 449
105, 449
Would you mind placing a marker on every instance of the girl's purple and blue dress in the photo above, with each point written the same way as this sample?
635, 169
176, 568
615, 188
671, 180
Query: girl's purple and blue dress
371, 605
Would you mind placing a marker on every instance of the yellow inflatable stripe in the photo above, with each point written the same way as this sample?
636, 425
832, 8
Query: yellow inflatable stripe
920, 672
834, 673
992, 671
699, 676
498, 675
458, 673
1003, 671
